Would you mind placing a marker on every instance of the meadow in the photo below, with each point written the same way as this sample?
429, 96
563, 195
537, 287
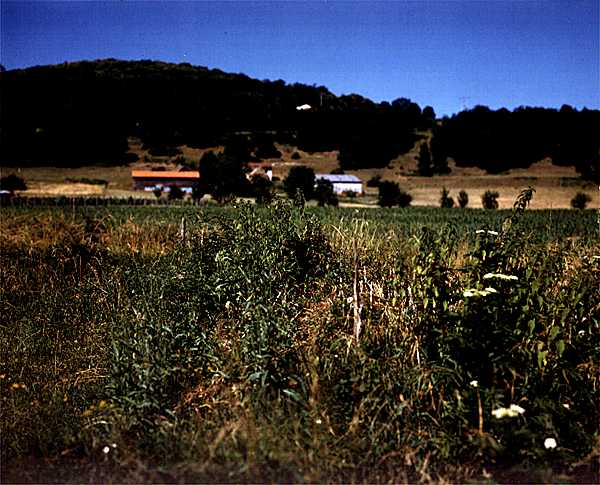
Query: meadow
284, 344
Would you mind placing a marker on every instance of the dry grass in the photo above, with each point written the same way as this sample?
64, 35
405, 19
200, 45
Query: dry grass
555, 186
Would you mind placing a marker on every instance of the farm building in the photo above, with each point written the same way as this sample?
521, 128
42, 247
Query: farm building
154, 179
263, 169
342, 183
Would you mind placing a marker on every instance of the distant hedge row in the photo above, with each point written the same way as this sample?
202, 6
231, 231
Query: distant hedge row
91, 201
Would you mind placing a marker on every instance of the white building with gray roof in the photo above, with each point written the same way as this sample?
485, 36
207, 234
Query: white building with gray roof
342, 183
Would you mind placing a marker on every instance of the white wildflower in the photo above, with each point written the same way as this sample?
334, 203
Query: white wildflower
581, 332
114, 445
493, 233
500, 413
489, 289
549, 443
474, 383
479, 231
516, 409
512, 412
475, 292
105, 450
566, 406
499, 276
483, 231
318, 421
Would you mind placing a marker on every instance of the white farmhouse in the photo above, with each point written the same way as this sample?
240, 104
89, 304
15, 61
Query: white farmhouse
342, 183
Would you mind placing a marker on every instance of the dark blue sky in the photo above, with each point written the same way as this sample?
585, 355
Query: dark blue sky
447, 54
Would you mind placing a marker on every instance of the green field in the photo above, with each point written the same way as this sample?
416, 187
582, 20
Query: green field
254, 344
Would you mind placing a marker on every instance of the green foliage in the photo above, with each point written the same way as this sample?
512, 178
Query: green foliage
223, 175
390, 195
499, 140
157, 192
581, 200
489, 199
446, 202
463, 199
374, 181
424, 164
324, 193
262, 189
12, 182
301, 180
233, 348
175, 193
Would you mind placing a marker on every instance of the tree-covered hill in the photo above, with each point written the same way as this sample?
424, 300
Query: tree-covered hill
82, 113
500, 140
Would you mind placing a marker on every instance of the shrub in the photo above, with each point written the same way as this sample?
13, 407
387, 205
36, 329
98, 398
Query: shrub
164, 151
390, 194
157, 192
300, 179
324, 193
489, 199
262, 189
374, 181
12, 182
463, 199
446, 202
175, 193
580, 201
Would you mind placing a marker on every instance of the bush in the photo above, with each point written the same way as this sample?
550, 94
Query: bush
157, 192
12, 182
300, 179
374, 181
164, 151
446, 202
463, 199
390, 195
175, 193
324, 193
580, 201
489, 199
262, 190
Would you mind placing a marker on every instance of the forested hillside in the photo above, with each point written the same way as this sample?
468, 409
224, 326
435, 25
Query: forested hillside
82, 113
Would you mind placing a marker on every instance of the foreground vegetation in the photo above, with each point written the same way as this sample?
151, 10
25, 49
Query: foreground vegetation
280, 344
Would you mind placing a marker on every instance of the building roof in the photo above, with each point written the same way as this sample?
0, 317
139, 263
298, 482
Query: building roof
157, 174
349, 179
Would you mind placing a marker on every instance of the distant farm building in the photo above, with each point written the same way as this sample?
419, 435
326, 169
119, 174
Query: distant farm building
260, 169
342, 183
150, 180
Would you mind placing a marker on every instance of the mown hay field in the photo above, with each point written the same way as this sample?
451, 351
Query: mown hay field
286, 344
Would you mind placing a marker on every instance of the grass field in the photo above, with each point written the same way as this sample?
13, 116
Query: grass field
279, 344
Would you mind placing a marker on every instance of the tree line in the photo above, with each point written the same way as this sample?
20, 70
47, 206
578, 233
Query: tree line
82, 113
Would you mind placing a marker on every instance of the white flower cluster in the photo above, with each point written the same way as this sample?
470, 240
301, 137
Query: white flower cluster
511, 412
499, 276
549, 443
475, 292
107, 448
483, 231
